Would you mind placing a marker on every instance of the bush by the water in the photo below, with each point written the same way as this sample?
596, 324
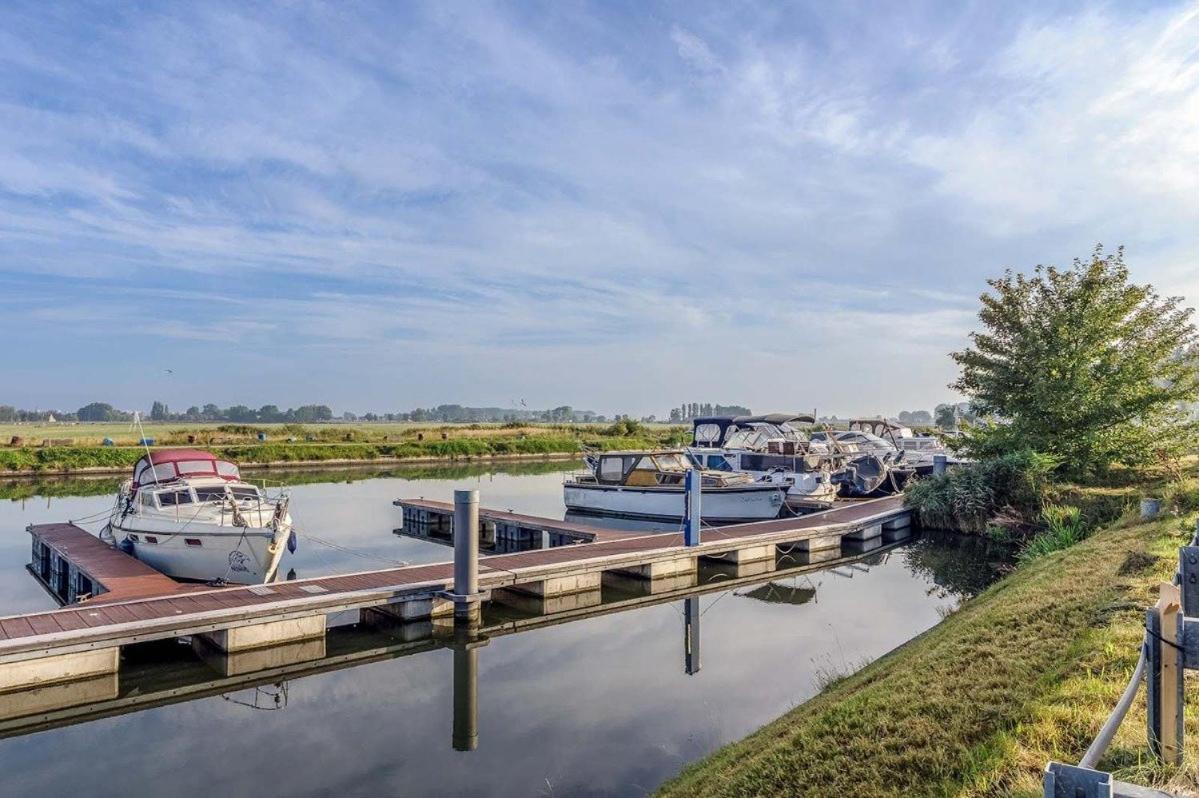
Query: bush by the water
969, 498
1063, 527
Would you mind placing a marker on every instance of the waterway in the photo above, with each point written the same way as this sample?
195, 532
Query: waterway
609, 705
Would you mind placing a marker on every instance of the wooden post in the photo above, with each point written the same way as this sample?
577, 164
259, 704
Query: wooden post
1166, 731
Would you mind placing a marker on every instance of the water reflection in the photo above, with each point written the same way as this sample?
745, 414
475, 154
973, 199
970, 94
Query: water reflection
600, 697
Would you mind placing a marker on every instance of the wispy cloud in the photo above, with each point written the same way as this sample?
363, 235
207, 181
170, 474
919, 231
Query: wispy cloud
591, 205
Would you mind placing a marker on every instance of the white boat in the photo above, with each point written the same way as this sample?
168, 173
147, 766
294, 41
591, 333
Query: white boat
649, 484
190, 515
768, 447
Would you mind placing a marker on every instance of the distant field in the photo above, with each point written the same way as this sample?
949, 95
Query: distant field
172, 433
65, 448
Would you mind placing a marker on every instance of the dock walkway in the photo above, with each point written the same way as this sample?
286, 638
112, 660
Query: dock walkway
84, 639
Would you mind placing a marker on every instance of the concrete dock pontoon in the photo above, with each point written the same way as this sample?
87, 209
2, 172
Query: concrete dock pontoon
83, 640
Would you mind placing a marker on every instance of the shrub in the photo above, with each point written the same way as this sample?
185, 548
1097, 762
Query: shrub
1064, 526
969, 498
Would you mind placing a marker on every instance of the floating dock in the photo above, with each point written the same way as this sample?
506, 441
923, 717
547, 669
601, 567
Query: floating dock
83, 640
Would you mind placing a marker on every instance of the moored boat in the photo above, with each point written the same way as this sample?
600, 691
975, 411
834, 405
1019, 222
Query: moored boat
769, 447
189, 514
650, 484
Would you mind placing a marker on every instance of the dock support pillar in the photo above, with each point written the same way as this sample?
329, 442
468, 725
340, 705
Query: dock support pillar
939, 463
691, 517
466, 557
1164, 675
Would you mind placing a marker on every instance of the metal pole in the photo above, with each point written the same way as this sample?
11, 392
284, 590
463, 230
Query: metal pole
691, 635
939, 463
466, 697
466, 552
691, 519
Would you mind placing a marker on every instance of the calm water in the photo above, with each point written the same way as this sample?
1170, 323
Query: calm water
601, 706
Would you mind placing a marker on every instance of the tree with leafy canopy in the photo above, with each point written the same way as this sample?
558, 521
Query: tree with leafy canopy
1081, 364
947, 416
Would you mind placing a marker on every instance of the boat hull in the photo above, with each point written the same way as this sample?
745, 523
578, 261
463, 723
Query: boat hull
754, 502
207, 552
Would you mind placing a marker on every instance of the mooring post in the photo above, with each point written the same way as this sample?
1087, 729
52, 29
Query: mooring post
691, 635
691, 518
466, 555
1164, 675
939, 463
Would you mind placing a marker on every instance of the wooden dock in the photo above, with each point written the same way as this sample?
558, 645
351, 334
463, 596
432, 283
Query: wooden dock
84, 640
149, 683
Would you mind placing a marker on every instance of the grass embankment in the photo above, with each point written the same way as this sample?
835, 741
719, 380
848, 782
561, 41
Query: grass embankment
1024, 673
347, 444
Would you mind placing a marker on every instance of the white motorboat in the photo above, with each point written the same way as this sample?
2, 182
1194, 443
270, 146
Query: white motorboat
190, 515
768, 447
649, 484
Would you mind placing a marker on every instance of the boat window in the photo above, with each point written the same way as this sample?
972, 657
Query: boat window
210, 493
226, 469
195, 466
164, 472
707, 433
611, 469
646, 463
147, 498
175, 497
717, 462
245, 493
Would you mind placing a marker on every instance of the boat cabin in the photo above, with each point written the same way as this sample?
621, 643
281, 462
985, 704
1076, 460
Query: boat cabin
168, 465
753, 433
653, 469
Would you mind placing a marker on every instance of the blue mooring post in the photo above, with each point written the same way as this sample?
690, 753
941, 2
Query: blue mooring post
692, 482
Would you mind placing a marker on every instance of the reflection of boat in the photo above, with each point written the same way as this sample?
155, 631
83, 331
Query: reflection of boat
774, 593
649, 484
190, 515
768, 447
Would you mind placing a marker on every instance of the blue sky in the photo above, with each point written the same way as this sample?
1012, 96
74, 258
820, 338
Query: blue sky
615, 206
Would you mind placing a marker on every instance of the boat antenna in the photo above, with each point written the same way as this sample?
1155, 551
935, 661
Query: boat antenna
137, 419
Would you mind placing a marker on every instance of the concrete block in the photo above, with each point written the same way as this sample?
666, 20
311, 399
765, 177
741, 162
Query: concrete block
660, 568
734, 570
861, 546
575, 583
632, 585
271, 633
261, 658
415, 609
865, 533
49, 697
748, 554
58, 668
811, 544
547, 605
899, 522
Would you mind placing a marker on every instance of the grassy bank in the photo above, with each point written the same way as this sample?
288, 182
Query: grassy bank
976, 706
321, 444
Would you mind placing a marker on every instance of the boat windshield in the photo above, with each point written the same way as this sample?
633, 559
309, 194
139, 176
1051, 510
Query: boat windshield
755, 436
672, 461
210, 493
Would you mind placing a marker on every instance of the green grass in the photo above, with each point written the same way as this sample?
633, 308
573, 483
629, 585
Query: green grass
976, 706
346, 443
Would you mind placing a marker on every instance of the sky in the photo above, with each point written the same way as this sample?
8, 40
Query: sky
616, 206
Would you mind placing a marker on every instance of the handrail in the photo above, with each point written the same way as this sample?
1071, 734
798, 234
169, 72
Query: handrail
1102, 740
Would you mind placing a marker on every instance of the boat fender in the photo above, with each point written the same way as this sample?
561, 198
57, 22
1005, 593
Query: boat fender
126, 545
293, 542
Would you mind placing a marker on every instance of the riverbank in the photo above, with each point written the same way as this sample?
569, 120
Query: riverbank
464, 444
1022, 674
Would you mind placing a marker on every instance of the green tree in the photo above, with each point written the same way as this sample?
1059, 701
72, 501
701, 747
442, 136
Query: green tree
97, 411
1081, 364
946, 417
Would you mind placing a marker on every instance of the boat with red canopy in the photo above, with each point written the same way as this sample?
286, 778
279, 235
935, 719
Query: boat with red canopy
189, 514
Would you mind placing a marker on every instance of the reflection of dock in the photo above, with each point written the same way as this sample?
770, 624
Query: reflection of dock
153, 677
84, 640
